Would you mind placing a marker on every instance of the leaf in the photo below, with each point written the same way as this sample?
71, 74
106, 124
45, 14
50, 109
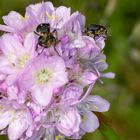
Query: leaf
108, 132
105, 127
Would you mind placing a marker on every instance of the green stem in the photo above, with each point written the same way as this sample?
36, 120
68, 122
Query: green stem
108, 132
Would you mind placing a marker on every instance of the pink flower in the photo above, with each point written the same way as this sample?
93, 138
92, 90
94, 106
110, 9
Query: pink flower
90, 50
42, 76
72, 30
86, 78
46, 12
92, 103
71, 93
35, 14
69, 121
15, 56
16, 21
18, 121
89, 122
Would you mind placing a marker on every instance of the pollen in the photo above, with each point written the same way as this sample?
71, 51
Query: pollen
51, 16
101, 60
58, 137
1, 109
83, 118
12, 115
23, 60
96, 107
23, 18
43, 76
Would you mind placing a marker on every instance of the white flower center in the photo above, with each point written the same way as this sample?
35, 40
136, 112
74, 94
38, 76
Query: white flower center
43, 76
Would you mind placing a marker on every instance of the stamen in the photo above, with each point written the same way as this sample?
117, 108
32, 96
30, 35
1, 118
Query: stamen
43, 76
83, 118
58, 137
51, 17
23, 18
23, 60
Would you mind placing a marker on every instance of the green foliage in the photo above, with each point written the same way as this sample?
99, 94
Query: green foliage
122, 18
108, 132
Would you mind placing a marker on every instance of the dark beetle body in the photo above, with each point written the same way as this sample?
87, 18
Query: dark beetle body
47, 41
46, 38
43, 28
94, 30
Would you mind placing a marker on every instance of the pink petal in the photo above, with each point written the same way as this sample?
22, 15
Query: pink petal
11, 79
30, 44
6, 28
5, 119
63, 13
3, 61
42, 96
97, 103
15, 20
90, 122
69, 122
12, 46
108, 75
17, 128
100, 42
12, 92
87, 78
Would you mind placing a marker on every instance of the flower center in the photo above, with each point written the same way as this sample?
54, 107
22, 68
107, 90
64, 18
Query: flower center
43, 76
23, 60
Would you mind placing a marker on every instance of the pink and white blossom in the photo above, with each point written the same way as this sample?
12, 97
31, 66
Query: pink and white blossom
42, 76
45, 90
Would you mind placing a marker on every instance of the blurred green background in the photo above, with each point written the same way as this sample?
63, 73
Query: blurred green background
122, 18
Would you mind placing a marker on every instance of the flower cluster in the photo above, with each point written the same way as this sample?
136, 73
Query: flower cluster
45, 90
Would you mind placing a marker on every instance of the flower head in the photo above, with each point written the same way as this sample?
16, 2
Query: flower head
45, 87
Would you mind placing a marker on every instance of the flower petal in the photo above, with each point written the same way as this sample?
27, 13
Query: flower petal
69, 122
30, 44
87, 78
42, 96
97, 103
72, 92
6, 28
17, 128
90, 122
5, 119
11, 48
15, 20
11, 79
62, 15
108, 75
